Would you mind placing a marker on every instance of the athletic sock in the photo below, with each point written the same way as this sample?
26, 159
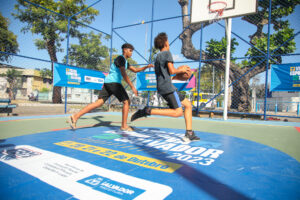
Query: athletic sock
148, 111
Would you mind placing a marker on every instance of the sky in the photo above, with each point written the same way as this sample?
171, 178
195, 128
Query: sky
131, 12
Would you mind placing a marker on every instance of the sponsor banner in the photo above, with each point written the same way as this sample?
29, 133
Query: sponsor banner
70, 76
139, 160
285, 77
80, 179
146, 81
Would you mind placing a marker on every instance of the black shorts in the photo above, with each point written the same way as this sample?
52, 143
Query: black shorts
174, 99
115, 89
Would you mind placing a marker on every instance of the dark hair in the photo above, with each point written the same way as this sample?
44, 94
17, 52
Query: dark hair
127, 45
160, 40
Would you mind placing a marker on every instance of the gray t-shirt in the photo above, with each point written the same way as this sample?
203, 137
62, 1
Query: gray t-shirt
163, 78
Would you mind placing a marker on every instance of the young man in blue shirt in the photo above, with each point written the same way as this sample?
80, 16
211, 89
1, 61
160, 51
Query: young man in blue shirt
164, 67
112, 86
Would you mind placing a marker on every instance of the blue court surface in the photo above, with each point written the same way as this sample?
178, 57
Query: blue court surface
150, 163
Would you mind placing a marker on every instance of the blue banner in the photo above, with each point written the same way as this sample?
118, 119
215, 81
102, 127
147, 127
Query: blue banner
146, 81
70, 76
285, 77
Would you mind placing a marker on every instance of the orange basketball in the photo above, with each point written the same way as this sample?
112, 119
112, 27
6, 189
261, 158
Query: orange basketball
183, 76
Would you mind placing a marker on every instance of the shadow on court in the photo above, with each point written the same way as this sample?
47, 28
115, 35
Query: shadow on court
202, 181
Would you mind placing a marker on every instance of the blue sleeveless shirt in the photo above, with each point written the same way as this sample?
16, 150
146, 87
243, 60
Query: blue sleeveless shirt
115, 75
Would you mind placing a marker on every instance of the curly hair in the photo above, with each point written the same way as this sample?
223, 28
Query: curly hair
160, 40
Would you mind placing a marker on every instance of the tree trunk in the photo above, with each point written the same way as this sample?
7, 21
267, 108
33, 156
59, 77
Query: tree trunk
240, 94
56, 95
240, 99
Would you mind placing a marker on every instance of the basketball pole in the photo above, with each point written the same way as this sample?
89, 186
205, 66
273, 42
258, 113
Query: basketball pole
228, 23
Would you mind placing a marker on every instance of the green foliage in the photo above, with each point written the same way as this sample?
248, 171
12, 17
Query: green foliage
45, 90
217, 49
282, 33
207, 84
280, 9
46, 73
89, 53
8, 41
277, 45
12, 76
52, 26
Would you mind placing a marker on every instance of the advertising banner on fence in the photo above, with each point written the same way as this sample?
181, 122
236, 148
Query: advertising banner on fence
146, 81
285, 77
70, 76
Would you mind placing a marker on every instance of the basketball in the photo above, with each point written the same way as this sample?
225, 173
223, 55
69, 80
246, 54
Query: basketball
183, 76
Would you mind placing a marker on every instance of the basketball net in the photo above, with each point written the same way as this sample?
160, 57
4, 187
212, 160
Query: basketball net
218, 11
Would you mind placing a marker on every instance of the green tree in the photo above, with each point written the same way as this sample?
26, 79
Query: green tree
8, 41
52, 27
45, 73
12, 76
90, 52
280, 34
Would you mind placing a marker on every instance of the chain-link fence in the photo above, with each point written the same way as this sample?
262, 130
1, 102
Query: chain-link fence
89, 34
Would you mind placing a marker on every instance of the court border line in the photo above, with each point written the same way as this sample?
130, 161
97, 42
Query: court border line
238, 121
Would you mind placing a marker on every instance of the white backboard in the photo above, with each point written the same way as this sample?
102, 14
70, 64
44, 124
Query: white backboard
200, 9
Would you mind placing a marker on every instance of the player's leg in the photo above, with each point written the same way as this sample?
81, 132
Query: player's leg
177, 112
120, 93
103, 96
87, 109
187, 113
174, 103
188, 117
125, 110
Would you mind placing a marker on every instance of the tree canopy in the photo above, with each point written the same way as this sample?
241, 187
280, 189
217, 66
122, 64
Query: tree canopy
53, 27
281, 42
8, 40
90, 52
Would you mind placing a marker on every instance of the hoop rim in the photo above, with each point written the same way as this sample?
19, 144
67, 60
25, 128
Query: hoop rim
220, 11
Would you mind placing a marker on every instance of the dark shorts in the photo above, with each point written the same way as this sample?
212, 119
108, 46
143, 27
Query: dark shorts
174, 99
115, 89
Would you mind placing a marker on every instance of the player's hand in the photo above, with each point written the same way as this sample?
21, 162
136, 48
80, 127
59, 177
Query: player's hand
135, 91
150, 66
185, 69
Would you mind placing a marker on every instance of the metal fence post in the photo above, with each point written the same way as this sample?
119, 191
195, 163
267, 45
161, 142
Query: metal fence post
268, 58
67, 62
151, 46
199, 69
111, 39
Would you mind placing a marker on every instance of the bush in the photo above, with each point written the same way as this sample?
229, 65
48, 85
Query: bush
44, 90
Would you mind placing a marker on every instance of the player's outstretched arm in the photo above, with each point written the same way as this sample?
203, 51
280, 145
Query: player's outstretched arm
136, 70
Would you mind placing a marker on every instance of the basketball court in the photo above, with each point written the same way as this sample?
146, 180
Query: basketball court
98, 161
42, 158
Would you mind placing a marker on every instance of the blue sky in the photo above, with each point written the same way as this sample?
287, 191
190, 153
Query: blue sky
131, 12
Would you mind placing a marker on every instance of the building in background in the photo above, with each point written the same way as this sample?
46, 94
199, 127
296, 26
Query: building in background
29, 83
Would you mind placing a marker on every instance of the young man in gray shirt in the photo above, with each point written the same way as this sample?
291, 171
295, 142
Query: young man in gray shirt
164, 67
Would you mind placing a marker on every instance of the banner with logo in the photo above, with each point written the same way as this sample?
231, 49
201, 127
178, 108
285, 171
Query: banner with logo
146, 81
70, 76
285, 77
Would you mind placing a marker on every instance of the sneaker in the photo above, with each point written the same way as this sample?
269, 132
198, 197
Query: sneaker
141, 113
190, 136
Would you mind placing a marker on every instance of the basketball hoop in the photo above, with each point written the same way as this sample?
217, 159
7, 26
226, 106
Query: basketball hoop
217, 7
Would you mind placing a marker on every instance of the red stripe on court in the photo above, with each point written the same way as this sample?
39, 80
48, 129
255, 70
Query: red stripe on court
298, 129
66, 128
85, 126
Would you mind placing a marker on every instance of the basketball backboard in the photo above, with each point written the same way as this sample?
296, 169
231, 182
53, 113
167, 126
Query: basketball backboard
207, 10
